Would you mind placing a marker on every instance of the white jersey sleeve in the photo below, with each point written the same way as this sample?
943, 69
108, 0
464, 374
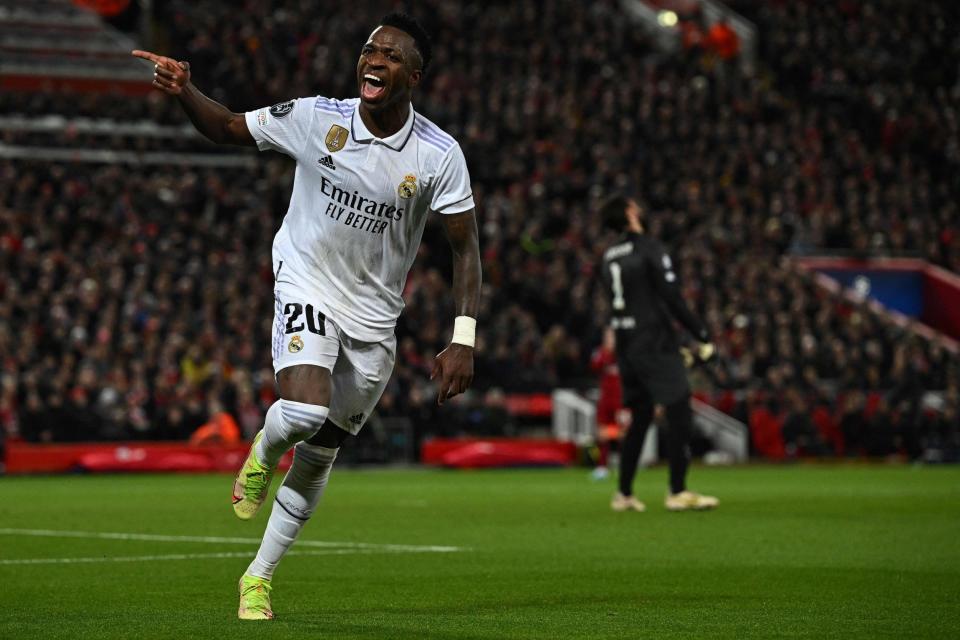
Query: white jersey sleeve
284, 127
452, 193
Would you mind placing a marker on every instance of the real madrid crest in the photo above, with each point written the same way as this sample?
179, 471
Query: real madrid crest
296, 344
408, 188
336, 138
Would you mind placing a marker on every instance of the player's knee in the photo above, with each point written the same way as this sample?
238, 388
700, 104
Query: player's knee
679, 420
302, 420
329, 435
641, 413
679, 410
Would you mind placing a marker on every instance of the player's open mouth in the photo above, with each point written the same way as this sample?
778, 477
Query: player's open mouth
372, 87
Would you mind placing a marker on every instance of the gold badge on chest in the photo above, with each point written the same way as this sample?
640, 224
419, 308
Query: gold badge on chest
408, 188
336, 138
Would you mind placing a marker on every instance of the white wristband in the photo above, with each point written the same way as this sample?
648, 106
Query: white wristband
464, 330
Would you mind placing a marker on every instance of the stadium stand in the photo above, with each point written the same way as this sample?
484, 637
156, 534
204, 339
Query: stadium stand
136, 285
878, 82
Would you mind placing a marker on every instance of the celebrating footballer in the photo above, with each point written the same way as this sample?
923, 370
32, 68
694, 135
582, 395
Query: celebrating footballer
369, 171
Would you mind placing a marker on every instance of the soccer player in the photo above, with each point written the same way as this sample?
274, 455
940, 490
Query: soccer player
369, 171
644, 297
603, 362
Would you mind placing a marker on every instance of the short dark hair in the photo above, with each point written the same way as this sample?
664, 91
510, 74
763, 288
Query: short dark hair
613, 212
409, 25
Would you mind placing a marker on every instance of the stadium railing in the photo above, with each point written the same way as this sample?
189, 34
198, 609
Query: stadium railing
728, 435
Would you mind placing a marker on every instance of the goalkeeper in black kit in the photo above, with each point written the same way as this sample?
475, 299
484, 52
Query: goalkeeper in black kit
644, 298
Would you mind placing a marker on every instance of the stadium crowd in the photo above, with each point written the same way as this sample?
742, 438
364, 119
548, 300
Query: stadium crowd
136, 300
886, 75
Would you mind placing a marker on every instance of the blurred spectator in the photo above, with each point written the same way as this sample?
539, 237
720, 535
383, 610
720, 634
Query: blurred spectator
799, 434
853, 423
603, 363
722, 40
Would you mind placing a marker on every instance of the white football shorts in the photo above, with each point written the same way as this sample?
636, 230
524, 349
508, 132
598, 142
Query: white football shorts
302, 334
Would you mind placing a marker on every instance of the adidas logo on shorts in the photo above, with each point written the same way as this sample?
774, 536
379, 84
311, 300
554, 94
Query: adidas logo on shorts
357, 419
327, 161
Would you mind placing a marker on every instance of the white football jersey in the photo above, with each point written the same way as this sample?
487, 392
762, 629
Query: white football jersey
358, 207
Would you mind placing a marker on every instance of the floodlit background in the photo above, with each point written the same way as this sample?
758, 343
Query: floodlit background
800, 158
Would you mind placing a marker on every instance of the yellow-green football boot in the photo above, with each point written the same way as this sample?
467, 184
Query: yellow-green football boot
254, 598
252, 484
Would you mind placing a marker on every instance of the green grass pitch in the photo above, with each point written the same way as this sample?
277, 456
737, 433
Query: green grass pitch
799, 552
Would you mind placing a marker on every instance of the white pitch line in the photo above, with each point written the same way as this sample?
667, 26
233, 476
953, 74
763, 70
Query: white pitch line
90, 560
152, 537
177, 556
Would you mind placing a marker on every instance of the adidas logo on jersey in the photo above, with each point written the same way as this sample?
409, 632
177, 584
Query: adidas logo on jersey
327, 161
357, 419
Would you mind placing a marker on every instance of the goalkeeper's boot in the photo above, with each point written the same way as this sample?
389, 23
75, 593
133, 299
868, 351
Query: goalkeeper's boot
252, 484
621, 502
689, 501
254, 598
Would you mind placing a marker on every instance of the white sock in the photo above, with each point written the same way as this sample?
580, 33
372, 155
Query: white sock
286, 424
296, 500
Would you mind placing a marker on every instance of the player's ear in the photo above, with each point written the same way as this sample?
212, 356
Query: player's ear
415, 76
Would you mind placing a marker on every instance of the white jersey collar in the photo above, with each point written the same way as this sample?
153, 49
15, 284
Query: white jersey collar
395, 142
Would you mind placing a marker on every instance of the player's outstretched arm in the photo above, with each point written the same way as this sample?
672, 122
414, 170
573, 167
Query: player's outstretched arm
454, 365
668, 287
211, 118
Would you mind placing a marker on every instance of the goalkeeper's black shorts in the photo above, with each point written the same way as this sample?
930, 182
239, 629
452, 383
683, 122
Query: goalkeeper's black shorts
648, 377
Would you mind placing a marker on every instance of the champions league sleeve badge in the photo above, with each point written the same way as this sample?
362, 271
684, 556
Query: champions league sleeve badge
281, 109
408, 188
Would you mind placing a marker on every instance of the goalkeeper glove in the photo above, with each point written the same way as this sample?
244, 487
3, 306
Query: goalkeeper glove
704, 352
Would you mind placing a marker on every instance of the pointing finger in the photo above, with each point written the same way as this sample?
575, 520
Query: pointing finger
146, 55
